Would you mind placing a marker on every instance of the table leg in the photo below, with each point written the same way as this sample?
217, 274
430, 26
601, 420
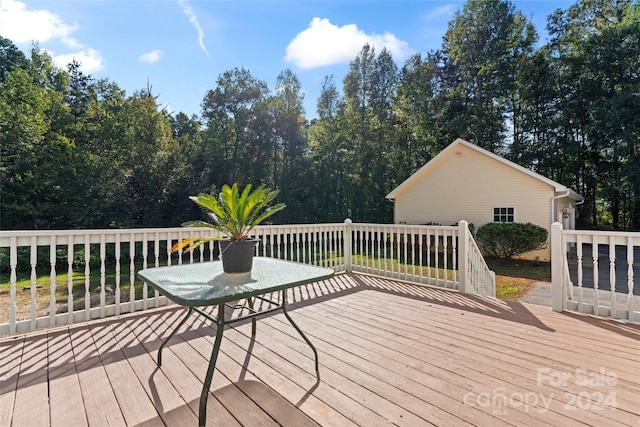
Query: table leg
202, 416
253, 319
284, 309
166, 340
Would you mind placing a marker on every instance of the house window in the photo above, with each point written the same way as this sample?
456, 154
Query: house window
504, 214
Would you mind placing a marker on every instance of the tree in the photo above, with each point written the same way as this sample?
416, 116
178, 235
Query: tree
369, 90
420, 128
78, 96
486, 44
228, 111
594, 48
10, 58
288, 112
37, 166
330, 157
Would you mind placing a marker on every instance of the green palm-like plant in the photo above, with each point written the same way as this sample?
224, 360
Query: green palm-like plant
232, 213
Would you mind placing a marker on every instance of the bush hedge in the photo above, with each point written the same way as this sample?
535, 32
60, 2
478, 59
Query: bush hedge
508, 239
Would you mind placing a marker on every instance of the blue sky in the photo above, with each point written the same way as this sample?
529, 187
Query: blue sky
181, 46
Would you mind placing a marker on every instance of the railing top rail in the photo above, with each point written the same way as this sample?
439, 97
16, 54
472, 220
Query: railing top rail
407, 226
90, 231
635, 234
22, 235
602, 237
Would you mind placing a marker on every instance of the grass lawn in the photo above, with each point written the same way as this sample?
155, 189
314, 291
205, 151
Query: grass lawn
515, 277
43, 290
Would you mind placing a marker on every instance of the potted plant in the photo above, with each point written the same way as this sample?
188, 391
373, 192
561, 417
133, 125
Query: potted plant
234, 214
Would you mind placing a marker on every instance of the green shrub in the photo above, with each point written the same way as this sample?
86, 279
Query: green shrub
508, 239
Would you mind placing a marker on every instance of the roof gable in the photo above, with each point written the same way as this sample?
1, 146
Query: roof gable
457, 143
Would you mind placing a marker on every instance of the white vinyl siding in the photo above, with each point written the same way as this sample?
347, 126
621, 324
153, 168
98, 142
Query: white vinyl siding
466, 185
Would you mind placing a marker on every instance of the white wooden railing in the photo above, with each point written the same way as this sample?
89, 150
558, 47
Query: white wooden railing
603, 264
105, 262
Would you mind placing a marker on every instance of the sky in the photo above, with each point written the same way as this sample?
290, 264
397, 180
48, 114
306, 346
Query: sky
181, 47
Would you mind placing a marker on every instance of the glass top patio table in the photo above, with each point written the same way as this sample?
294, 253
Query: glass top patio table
205, 284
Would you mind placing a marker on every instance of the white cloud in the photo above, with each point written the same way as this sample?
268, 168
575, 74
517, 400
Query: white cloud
151, 57
22, 25
324, 43
90, 60
193, 19
438, 13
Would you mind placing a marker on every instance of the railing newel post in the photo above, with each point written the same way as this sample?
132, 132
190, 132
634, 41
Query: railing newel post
348, 239
557, 253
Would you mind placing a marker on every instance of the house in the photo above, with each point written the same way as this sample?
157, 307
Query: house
466, 182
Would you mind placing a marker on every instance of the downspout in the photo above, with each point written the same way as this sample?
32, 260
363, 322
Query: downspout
553, 199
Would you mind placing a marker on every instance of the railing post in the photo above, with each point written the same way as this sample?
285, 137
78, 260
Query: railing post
463, 255
348, 238
557, 282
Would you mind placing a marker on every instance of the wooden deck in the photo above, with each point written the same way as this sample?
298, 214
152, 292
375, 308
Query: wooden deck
390, 354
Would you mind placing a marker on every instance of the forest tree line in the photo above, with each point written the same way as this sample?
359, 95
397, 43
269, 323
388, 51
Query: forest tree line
77, 152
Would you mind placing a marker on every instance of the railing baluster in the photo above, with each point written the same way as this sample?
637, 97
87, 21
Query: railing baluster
304, 245
445, 248
429, 255
103, 279
70, 309
273, 241
87, 277
13, 278
325, 254
132, 277
437, 260
156, 249
117, 291
156, 257
406, 245
145, 254
34, 277
169, 245
630, 283
612, 277
420, 257
454, 258
579, 261
53, 282
595, 255
387, 245
397, 255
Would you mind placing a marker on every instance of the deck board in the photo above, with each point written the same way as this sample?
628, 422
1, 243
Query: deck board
390, 353
66, 405
137, 409
31, 405
187, 368
443, 352
97, 393
11, 357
